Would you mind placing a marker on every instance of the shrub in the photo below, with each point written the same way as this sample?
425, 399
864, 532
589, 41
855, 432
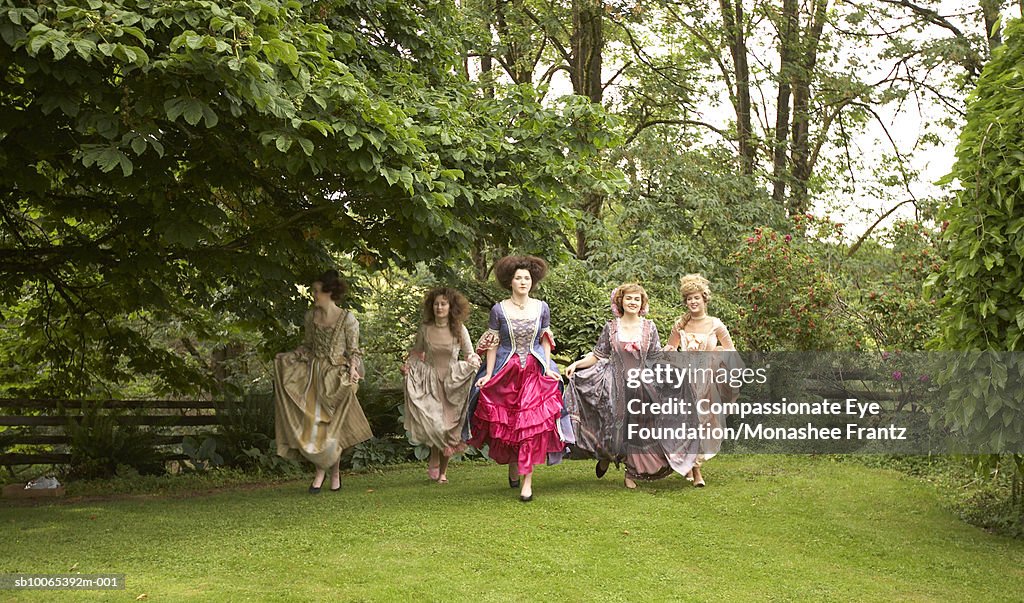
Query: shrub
100, 443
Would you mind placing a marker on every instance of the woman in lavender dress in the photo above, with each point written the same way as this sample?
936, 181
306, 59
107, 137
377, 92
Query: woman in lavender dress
598, 396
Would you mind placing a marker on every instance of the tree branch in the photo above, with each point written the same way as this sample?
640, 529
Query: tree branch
867, 233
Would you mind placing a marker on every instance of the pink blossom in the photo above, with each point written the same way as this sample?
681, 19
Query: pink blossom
897, 375
924, 378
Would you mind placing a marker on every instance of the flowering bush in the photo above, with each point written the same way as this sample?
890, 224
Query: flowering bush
785, 294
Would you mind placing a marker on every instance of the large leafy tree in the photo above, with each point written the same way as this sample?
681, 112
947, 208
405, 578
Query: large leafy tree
980, 284
188, 162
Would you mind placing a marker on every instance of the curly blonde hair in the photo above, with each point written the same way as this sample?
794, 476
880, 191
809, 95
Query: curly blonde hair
688, 285
620, 293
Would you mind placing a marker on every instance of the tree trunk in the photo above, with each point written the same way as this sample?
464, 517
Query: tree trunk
486, 67
788, 29
990, 9
735, 35
587, 45
480, 268
802, 168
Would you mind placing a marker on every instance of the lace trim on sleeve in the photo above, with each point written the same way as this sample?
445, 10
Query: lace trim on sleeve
488, 341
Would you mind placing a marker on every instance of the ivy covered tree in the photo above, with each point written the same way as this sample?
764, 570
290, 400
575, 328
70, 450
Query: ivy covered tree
173, 162
981, 280
981, 283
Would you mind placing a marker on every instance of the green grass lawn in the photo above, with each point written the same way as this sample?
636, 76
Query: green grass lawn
776, 528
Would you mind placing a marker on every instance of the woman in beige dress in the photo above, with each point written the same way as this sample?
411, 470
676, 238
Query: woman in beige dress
436, 382
317, 415
696, 331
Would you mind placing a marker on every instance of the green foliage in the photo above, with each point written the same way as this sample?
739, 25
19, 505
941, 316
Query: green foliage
245, 434
100, 444
882, 287
390, 320
785, 294
995, 501
189, 162
980, 283
201, 456
381, 407
380, 451
579, 309
683, 213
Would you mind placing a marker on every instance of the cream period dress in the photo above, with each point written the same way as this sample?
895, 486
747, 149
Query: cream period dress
317, 415
437, 388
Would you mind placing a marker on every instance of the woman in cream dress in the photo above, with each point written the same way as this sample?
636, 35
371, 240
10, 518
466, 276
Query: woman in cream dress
317, 415
437, 383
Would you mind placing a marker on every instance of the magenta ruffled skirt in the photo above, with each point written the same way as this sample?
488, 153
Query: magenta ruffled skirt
516, 416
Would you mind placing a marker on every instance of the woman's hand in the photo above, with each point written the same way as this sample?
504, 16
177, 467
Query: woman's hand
550, 372
482, 381
405, 369
474, 360
569, 370
353, 375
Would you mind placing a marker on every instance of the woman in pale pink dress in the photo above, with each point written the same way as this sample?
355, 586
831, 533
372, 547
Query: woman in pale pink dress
696, 331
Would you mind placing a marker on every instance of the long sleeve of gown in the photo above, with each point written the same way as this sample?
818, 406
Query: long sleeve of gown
350, 346
466, 345
655, 339
603, 349
722, 334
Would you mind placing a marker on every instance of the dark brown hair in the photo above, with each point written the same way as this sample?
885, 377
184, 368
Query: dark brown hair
505, 268
458, 308
331, 282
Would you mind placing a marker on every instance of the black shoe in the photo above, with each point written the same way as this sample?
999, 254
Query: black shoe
314, 489
525, 498
513, 483
338, 489
600, 470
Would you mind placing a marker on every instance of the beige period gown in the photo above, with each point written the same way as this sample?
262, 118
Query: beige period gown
437, 389
317, 415
717, 353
